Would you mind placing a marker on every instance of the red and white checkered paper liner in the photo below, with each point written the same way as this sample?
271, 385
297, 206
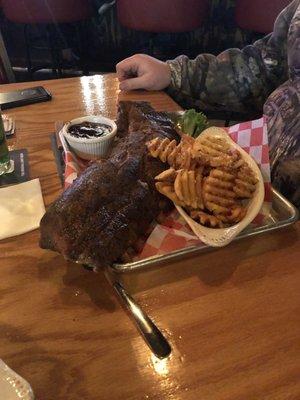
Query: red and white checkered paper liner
174, 233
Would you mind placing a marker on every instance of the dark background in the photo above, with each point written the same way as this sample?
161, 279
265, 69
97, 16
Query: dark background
107, 42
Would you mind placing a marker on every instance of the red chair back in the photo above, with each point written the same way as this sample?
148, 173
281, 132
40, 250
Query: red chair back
258, 16
162, 15
46, 11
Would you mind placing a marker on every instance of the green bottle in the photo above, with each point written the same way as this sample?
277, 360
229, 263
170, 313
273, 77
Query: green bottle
4, 154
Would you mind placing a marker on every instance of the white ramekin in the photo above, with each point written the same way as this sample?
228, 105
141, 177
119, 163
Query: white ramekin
90, 149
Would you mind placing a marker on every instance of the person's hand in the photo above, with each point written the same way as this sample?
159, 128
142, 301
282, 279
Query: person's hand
143, 72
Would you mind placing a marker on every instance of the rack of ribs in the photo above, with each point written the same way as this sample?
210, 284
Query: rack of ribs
114, 201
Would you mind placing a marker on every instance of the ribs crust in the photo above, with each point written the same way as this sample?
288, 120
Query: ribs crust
113, 202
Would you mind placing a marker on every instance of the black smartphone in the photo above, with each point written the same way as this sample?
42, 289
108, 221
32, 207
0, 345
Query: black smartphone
23, 97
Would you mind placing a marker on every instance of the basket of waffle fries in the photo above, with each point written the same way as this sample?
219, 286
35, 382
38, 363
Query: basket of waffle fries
215, 185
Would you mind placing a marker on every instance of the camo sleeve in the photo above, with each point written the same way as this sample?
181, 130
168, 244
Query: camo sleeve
235, 80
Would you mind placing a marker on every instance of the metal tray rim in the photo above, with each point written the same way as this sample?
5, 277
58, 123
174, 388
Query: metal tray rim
193, 250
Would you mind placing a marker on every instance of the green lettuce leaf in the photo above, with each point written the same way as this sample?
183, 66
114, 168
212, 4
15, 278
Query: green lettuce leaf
193, 123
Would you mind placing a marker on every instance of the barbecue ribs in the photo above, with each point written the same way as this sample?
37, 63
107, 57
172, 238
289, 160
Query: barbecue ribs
113, 202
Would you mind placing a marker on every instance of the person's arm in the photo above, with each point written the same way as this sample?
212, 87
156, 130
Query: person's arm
236, 80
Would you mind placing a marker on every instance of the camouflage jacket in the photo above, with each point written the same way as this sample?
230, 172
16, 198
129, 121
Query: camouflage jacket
245, 81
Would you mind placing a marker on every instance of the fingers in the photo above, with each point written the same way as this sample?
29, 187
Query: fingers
143, 72
128, 74
134, 83
127, 68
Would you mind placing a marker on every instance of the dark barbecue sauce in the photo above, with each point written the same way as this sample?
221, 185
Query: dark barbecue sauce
89, 130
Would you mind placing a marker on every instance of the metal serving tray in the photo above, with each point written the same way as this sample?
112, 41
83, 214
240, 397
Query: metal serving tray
282, 214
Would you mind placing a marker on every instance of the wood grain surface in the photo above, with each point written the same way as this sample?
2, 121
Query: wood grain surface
231, 315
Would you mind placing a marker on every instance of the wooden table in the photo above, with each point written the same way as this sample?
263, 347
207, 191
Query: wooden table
231, 316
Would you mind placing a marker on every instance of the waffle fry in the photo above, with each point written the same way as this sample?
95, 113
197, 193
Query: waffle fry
222, 201
216, 151
169, 175
187, 187
218, 194
206, 177
234, 216
222, 175
166, 151
246, 174
161, 148
206, 219
192, 188
215, 147
177, 156
199, 178
245, 183
168, 190
178, 186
